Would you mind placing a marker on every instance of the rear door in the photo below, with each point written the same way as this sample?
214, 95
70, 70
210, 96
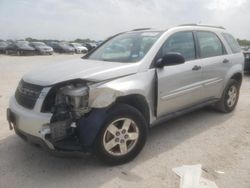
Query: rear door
179, 86
215, 62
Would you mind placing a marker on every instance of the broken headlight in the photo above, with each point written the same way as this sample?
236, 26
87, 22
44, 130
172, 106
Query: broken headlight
68, 102
75, 98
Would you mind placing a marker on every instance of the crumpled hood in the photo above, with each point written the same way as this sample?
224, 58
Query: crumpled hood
79, 69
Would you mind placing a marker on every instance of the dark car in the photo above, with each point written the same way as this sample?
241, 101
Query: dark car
62, 47
41, 48
3, 46
89, 45
246, 52
20, 48
99, 42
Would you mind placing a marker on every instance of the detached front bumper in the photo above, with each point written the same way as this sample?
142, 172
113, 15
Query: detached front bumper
28, 123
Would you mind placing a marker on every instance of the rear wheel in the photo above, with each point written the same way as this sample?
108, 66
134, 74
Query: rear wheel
122, 136
230, 97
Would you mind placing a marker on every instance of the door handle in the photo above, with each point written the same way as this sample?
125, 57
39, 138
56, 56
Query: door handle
196, 67
225, 61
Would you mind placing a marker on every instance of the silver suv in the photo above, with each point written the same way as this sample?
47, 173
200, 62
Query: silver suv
105, 102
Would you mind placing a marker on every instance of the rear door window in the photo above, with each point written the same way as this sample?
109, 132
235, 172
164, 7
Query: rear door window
210, 44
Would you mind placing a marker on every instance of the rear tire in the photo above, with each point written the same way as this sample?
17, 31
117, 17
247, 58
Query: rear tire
122, 135
229, 97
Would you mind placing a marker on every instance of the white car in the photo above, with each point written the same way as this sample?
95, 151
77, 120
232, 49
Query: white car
79, 48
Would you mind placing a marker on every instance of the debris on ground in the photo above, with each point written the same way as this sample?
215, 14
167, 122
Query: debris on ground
190, 177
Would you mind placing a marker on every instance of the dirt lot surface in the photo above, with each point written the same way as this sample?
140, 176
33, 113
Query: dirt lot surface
220, 142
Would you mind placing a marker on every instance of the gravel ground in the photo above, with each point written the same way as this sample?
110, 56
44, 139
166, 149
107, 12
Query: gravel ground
217, 141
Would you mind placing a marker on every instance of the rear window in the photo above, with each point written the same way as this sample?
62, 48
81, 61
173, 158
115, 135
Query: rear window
232, 42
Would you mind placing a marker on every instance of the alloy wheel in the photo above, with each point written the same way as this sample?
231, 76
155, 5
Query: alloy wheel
120, 136
232, 96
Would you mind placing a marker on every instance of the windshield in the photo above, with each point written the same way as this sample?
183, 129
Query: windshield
127, 47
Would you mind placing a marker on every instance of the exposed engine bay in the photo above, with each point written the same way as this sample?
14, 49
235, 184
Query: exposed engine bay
70, 104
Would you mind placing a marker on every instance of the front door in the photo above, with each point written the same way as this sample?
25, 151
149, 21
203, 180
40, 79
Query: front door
179, 86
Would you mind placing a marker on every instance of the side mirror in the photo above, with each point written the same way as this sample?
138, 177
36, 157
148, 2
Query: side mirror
170, 59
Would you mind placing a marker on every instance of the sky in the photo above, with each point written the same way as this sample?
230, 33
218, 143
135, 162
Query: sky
99, 19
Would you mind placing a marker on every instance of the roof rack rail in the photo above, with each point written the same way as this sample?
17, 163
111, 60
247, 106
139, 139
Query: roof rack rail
220, 27
141, 29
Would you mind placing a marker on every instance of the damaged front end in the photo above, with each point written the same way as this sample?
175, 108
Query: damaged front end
68, 104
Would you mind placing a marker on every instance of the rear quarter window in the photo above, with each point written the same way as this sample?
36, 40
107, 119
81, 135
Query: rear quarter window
233, 44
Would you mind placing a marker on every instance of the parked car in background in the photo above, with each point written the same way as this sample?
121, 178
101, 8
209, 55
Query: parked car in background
3, 46
244, 48
78, 48
62, 47
246, 52
42, 48
89, 45
99, 42
20, 48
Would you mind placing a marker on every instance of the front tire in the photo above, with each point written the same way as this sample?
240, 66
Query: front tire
229, 98
122, 135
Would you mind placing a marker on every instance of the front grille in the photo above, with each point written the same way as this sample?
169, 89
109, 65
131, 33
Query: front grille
27, 94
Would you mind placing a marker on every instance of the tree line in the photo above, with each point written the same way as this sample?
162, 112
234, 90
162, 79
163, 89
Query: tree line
243, 42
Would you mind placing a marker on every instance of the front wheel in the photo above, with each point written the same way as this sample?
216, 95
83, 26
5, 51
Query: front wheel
230, 97
122, 136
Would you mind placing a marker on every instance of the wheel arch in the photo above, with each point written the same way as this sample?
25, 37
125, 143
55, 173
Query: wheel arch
137, 101
90, 125
238, 77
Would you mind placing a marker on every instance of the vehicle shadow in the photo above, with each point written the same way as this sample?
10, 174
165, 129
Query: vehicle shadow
23, 165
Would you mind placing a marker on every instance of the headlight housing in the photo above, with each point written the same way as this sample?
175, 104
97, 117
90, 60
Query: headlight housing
74, 94
75, 97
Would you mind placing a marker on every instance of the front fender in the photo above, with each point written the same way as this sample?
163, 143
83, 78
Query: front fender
143, 83
105, 94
